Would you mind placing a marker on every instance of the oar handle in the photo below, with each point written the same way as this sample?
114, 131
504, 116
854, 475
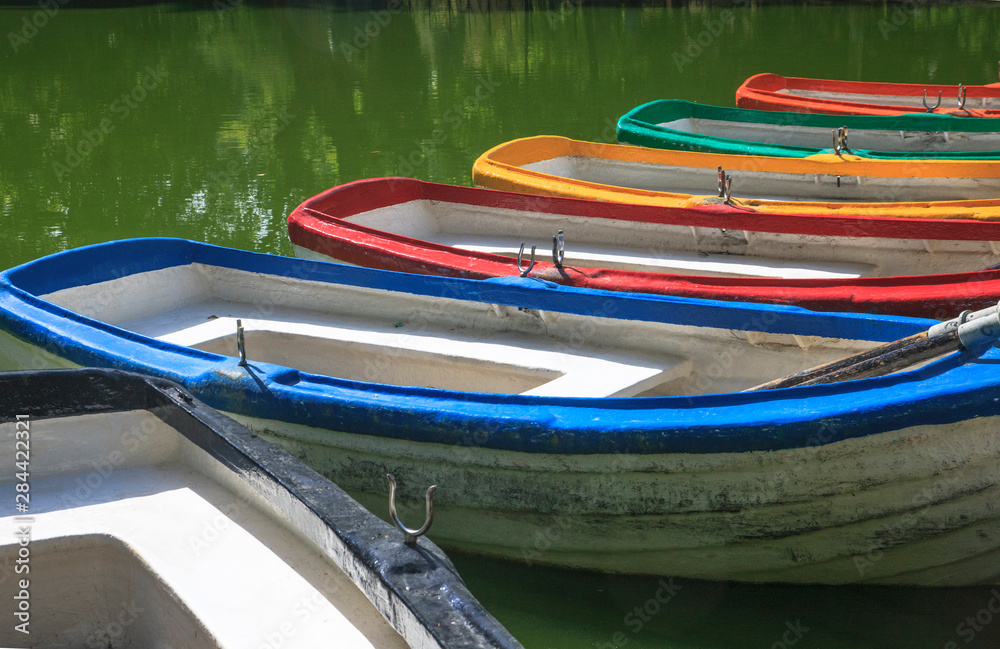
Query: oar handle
833, 366
970, 329
974, 327
917, 352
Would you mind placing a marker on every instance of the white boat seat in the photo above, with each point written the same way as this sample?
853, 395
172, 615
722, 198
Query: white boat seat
194, 548
422, 359
686, 263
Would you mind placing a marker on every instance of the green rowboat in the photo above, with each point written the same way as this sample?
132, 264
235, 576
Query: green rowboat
683, 125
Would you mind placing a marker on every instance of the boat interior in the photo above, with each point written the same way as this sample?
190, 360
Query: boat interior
894, 100
140, 538
764, 185
792, 134
398, 338
665, 248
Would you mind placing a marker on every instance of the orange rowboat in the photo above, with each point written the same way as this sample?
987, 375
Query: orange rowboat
820, 185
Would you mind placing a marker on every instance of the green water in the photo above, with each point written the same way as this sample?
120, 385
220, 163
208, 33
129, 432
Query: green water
213, 124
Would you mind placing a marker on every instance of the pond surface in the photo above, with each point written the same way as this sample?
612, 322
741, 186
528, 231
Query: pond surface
213, 124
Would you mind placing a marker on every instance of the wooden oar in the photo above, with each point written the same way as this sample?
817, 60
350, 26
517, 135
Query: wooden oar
969, 329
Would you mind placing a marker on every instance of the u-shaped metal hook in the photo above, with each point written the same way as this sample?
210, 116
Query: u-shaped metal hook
840, 140
410, 536
936, 106
520, 254
241, 344
725, 186
961, 96
558, 249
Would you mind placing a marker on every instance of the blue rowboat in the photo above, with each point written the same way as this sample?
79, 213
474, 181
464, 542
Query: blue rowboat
687, 126
142, 517
564, 426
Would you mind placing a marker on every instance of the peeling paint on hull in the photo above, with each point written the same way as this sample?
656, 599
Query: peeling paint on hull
868, 510
884, 480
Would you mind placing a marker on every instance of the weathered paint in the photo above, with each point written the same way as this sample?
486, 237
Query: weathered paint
687, 126
822, 185
913, 506
156, 521
792, 485
768, 91
828, 264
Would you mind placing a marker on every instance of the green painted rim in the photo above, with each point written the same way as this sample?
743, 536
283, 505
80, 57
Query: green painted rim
640, 127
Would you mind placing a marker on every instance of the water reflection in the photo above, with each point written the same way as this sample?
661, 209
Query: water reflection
554, 608
261, 107
256, 108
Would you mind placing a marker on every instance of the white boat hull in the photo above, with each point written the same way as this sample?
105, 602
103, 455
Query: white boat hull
865, 510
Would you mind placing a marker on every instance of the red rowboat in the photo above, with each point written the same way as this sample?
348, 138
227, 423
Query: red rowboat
925, 267
795, 94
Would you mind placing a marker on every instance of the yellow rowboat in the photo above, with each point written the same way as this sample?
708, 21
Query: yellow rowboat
827, 184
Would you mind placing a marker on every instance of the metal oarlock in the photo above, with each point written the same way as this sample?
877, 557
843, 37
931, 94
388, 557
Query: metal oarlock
520, 254
936, 106
974, 327
961, 96
840, 140
558, 249
241, 345
410, 536
725, 186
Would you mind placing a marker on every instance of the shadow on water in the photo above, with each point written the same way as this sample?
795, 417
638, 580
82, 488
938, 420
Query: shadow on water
546, 607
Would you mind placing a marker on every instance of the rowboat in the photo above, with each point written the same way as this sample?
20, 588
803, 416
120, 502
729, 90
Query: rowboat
148, 519
683, 125
566, 426
796, 94
824, 185
930, 268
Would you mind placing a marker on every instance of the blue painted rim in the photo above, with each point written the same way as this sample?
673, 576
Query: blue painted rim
955, 388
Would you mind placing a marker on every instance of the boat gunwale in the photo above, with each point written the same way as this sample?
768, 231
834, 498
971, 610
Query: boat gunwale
501, 167
403, 582
643, 126
763, 90
771, 81
946, 389
321, 224
527, 150
713, 215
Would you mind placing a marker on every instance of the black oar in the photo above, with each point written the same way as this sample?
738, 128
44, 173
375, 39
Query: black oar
967, 330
